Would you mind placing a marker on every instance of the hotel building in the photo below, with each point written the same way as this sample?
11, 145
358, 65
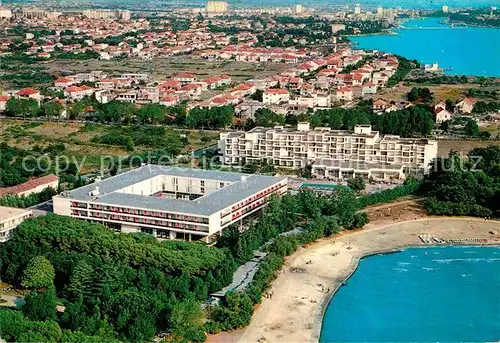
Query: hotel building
334, 154
171, 202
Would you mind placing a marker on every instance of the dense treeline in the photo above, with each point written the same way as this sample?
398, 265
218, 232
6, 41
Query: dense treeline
117, 112
465, 186
409, 187
125, 287
413, 121
15, 327
440, 80
481, 107
404, 68
157, 138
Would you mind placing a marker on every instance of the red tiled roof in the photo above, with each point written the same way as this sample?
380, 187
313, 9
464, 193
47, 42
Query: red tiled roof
344, 90
4, 98
276, 91
169, 98
28, 185
27, 91
63, 80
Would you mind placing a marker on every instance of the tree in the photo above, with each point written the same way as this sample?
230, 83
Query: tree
343, 204
52, 109
450, 105
235, 310
420, 94
118, 112
151, 113
357, 184
267, 118
471, 128
257, 95
39, 273
41, 305
22, 107
186, 322
81, 279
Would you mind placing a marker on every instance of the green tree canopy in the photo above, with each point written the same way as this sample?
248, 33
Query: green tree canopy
39, 273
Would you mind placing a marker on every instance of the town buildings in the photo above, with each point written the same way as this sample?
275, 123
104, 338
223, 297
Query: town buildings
10, 218
334, 154
171, 202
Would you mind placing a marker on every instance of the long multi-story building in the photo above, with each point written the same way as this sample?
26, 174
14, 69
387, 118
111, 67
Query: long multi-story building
333, 154
171, 202
10, 218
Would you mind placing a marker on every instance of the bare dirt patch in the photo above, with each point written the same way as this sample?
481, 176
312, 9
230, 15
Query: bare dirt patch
463, 147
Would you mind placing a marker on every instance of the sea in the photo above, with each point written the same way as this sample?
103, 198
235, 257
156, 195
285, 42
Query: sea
435, 294
458, 50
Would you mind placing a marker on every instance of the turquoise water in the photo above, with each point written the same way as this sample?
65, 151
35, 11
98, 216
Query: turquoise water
468, 51
447, 294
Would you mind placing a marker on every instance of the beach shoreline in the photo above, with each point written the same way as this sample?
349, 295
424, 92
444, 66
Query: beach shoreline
311, 276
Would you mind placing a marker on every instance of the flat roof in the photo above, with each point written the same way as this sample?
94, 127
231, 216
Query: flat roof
11, 212
242, 186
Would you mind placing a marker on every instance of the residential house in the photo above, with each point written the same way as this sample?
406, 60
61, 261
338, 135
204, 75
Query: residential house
344, 94
275, 96
369, 88
380, 105
169, 100
185, 78
64, 82
190, 90
465, 106
29, 93
3, 102
78, 92
442, 115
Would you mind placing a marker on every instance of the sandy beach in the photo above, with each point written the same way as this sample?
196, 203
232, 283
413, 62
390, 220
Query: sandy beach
310, 276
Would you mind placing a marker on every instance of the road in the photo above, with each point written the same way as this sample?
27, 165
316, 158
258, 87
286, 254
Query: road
42, 209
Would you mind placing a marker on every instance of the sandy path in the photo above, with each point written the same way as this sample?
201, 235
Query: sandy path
303, 289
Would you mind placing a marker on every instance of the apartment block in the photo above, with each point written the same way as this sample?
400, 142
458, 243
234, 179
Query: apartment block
170, 202
10, 218
333, 154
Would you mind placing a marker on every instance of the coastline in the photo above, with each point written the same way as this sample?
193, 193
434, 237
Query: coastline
295, 312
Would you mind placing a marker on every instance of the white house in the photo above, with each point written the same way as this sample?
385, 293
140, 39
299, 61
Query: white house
275, 96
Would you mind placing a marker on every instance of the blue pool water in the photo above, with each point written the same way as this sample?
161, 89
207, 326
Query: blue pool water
468, 51
447, 294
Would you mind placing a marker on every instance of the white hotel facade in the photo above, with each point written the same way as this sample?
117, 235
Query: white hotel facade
171, 202
334, 154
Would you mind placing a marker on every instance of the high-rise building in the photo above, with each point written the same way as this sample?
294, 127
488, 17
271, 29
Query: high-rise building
357, 9
216, 7
33, 13
124, 14
298, 8
380, 11
445, 9
99, 14
5, 13
336, 154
